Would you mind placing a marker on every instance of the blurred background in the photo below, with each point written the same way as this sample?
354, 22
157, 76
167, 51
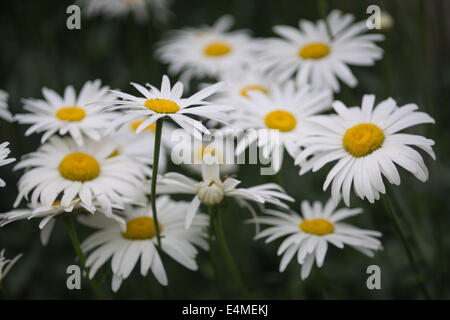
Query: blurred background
38, 50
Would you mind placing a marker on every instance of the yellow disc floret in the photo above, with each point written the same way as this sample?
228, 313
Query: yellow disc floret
72, 113
363, 139
140, 228
314, 50
280, 120
136, 123
217, 49
319, 226
162, 105
244, 91
78, 166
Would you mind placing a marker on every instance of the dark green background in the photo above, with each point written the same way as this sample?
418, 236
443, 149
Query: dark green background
38, 50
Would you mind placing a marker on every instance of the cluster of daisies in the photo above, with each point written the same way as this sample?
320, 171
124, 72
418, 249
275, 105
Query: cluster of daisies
98, 146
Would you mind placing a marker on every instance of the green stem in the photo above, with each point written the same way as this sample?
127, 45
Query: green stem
321, 283
228, 258
322, 6
212, 213
158, 130
77, 247
412, 261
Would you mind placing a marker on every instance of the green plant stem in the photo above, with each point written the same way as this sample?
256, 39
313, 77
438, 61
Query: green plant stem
322, 6
412, 261
77, 247
321, 283
212, 256
156, 150
228, 258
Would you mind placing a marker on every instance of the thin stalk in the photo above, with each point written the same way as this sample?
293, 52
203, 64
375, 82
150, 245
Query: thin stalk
228, 258
77, 247
321, 283
412, 261
156, 150
212, 213
322, 7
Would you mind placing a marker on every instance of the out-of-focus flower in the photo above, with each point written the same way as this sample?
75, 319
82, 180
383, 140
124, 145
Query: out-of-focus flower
78, 116
207, 51
386, 21
4, 160
307, 235
139, 240
212, 189
4, 112
60, 169
315, 58
167, 103
367, 144
6, 265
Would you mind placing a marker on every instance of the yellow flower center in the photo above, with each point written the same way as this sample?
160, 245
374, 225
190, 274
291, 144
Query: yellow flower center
244, 91
314, 50
136, 123
78, 166
72, 113
280, 120
319, 226
363, 139
217, 49
140, 228
162, 105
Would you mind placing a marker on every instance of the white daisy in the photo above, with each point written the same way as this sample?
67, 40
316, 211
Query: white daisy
278, 121
70, 114
367, 143
308, 234
118, 8
4, 152
167, 103
4, 112
47, 214
207, 51
60, 169
316, 59
6, 265
138, 240
212, 189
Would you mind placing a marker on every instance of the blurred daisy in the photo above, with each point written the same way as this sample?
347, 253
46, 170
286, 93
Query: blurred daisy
60, 169
316, 59
70, 114
118, 8
212, 189
367, 143
139, 241
4, 152
207, 51
308, 234
278, 121
167, 103
6, 265
4, 112
47, 214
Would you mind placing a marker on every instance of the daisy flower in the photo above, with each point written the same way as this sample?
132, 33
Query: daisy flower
70, 114
211, 190
278, 121
317, 59
167, 103
139, 240
309, 233
207, 51
366, 143
4, 152
120, 8
4, 112
62, 170
47, 214
6, 265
